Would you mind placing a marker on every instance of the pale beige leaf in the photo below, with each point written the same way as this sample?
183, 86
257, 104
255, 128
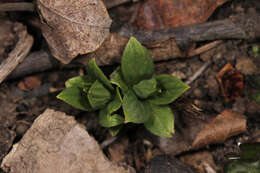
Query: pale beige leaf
73, 27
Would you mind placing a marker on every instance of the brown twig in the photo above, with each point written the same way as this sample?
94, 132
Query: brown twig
108, 142
17, 55
204, 48
34, 62
237, 27
17, 6
198, 73
111, 51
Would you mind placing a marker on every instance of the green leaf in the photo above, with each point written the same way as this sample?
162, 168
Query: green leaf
98, 95
145, 88
242, 166
116, 103
255, 49
161, 121
250, 151
96, 73
249, 160
135, 110
76, 98
255, 97
115, 130
171, 87
117, 79
107, 120
83, 82
105, 117
137, 63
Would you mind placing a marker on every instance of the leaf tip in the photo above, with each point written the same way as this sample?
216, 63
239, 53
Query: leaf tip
59, 96
132, 38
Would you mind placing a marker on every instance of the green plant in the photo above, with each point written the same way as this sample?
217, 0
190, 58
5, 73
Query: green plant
144, 97
247, 162
255, 49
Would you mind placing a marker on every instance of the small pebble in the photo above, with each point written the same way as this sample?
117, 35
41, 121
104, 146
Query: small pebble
246, 66
198, 93
179, 75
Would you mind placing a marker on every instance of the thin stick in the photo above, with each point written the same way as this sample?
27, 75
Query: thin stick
108, 141
204, 48
198, 73
238, 27
17, 55
18, 6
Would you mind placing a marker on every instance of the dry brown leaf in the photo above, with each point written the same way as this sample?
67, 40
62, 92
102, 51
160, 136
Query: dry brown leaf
231, 82
159, 14
30, 83
73, 27
195, 129
225, 125
201, 161
19, 52
57, 143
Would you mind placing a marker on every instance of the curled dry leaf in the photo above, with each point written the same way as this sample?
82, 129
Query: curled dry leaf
195, 129
73, 27
159, 14
231, 82
225, 125
57, 143
30, 83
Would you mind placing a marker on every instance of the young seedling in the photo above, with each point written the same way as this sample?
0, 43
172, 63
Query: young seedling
133, 87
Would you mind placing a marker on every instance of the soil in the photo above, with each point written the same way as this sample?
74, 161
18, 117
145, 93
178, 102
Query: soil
19, 108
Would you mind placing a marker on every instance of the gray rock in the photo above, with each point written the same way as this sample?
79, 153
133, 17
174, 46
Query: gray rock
56, 143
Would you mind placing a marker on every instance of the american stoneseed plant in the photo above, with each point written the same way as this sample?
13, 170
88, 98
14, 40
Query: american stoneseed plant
133, 88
